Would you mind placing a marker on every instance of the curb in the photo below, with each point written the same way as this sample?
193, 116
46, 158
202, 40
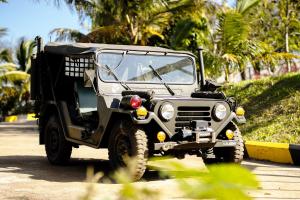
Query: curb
274, 152
20, 118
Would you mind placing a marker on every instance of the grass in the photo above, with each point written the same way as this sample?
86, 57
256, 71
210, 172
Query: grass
272, 107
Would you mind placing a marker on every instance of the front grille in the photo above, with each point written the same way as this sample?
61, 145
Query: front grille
186, 114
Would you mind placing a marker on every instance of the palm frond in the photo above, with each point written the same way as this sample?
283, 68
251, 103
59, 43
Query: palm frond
6, 67
182, 31
109, 34
232, 31
6, 55
24, 53
243, 6
2, 31
230, 58
15, 77
65, 34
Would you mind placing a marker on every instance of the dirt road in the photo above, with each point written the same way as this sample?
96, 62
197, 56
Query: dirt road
26, 174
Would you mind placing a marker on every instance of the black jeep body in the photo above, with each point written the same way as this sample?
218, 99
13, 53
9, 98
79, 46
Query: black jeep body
137, 101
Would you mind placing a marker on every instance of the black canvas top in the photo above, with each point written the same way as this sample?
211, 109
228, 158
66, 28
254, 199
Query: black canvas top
86, 48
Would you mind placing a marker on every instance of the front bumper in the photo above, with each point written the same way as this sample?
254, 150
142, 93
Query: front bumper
185, 145
152, 116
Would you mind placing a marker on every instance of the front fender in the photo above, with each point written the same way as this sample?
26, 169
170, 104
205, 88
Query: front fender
240, 119
152, 116
233, 116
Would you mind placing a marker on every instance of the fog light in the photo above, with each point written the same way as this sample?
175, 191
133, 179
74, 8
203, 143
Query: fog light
229, 134
161, 136
141, 112
240, 111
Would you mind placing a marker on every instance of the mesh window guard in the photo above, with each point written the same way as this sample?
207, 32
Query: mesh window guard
75, 66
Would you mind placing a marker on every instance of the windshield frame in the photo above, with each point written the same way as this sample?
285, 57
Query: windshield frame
148, 53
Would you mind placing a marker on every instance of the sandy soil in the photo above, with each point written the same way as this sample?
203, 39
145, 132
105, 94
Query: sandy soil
26, 174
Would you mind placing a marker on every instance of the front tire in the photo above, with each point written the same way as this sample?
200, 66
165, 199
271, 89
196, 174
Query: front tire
128, 143
58, 149
228, 154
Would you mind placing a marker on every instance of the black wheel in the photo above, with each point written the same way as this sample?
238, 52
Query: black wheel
232, 155
227, 154
58, 149
126, 142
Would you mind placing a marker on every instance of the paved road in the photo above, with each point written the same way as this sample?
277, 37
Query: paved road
26, 174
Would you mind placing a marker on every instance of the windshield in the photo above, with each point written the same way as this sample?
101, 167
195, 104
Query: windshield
138, 68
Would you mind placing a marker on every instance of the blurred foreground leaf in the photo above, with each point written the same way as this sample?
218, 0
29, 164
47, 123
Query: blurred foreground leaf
222, 181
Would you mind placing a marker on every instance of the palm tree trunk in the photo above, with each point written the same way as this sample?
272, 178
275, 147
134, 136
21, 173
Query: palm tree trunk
243, 74
226, 73
287, 49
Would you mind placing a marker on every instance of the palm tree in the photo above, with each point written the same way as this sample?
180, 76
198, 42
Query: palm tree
24, 53
14, 89
7, 67
2, 31
271, 26
133, 22
191, 27
15, 77
232, 45
6, 55
15, 84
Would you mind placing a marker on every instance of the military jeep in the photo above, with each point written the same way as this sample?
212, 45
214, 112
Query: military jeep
137, 101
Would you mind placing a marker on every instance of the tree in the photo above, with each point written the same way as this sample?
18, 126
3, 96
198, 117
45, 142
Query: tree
277, 27
24, 53
232, 47
14, 89
191, 27
15, 84
131, 22
7, 67
289, 15
6, 55
2, 31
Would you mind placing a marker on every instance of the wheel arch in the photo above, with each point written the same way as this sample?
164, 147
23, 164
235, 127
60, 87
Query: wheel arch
47, 111
114, 118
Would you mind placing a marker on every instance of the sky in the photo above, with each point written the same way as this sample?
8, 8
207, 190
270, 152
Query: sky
27, 18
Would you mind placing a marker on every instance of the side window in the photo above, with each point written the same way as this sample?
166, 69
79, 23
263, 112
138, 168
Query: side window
112, 60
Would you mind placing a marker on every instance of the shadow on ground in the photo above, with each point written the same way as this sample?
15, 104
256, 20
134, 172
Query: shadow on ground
38, 168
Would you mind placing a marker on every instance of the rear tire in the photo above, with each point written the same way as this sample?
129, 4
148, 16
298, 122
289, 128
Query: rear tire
127, 143
58, 149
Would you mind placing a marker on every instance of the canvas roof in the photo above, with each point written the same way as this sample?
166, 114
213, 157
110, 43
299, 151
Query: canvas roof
86, 48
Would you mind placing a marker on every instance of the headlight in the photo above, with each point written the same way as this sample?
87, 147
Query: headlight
220, 111
167, 111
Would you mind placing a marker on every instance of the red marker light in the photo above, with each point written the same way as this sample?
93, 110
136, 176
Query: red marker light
135, 101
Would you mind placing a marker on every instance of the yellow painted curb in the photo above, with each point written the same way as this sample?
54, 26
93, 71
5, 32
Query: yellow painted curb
275, 152
31, 117
11, 118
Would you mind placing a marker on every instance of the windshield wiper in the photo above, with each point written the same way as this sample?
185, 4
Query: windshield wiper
161, 80
117, 78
